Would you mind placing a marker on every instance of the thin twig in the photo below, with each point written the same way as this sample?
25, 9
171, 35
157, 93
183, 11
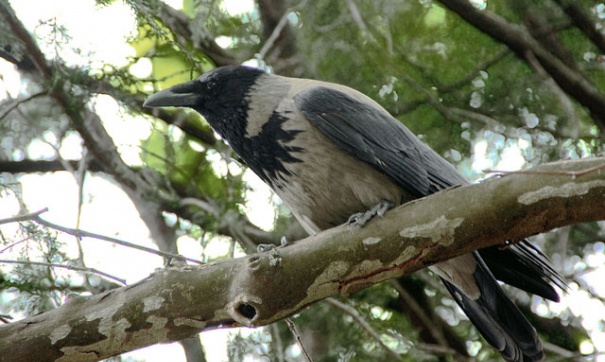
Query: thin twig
363, 324
564, 354
5, 318
565, 102
279, 349
24, 217
19, 242
297, 336
278, 29
440, 350
465, 114
417, 310
69, 267
358, 19
572, 174
18, 102
274, 35
79, 176
81, 233
204, 205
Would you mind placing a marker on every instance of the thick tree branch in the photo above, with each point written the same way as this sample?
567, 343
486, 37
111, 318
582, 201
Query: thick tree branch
260, 289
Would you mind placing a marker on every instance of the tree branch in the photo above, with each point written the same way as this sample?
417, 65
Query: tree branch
68, 267
584, 22
142, 186
179, 24
79, 233
260, 289
33, 166
279, 46
358, 318
571, 81
25, 217
17, 28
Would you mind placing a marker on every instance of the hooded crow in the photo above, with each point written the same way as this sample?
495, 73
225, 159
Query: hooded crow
330, 152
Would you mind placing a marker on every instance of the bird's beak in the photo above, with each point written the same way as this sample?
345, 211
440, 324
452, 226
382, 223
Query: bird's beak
180, 95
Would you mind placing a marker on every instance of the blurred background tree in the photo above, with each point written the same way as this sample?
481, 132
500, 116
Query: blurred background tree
487, 84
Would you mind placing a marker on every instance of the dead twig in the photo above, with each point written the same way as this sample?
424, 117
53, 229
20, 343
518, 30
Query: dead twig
295, 333
24, 217
572, 174
68, 267
81, 233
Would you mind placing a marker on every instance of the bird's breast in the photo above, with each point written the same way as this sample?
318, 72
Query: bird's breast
328, 185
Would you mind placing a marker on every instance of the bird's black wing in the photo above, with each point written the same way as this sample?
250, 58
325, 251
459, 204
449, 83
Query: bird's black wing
374, 136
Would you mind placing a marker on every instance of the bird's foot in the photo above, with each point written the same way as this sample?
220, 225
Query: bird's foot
261, 248
362, 218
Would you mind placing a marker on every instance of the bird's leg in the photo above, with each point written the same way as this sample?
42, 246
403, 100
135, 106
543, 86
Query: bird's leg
261, 248
284, 241
362, 218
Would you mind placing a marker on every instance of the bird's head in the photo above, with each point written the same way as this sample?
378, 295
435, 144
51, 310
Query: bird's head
219, 95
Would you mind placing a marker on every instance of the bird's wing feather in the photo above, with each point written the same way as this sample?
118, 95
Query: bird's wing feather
372, 135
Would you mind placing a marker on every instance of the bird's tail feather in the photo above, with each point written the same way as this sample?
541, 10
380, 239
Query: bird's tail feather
524, 266
498, 319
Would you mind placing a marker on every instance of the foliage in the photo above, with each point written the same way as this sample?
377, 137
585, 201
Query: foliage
471, 97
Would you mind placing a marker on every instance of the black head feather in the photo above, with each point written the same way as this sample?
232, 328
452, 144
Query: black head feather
222, 96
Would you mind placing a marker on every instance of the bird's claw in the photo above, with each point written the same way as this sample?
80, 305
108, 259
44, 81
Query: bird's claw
361, 218
261, 248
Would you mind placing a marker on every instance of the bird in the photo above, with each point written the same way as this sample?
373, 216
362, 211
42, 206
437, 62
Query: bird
334, 155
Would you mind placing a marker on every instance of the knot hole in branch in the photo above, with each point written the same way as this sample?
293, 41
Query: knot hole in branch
246, 310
